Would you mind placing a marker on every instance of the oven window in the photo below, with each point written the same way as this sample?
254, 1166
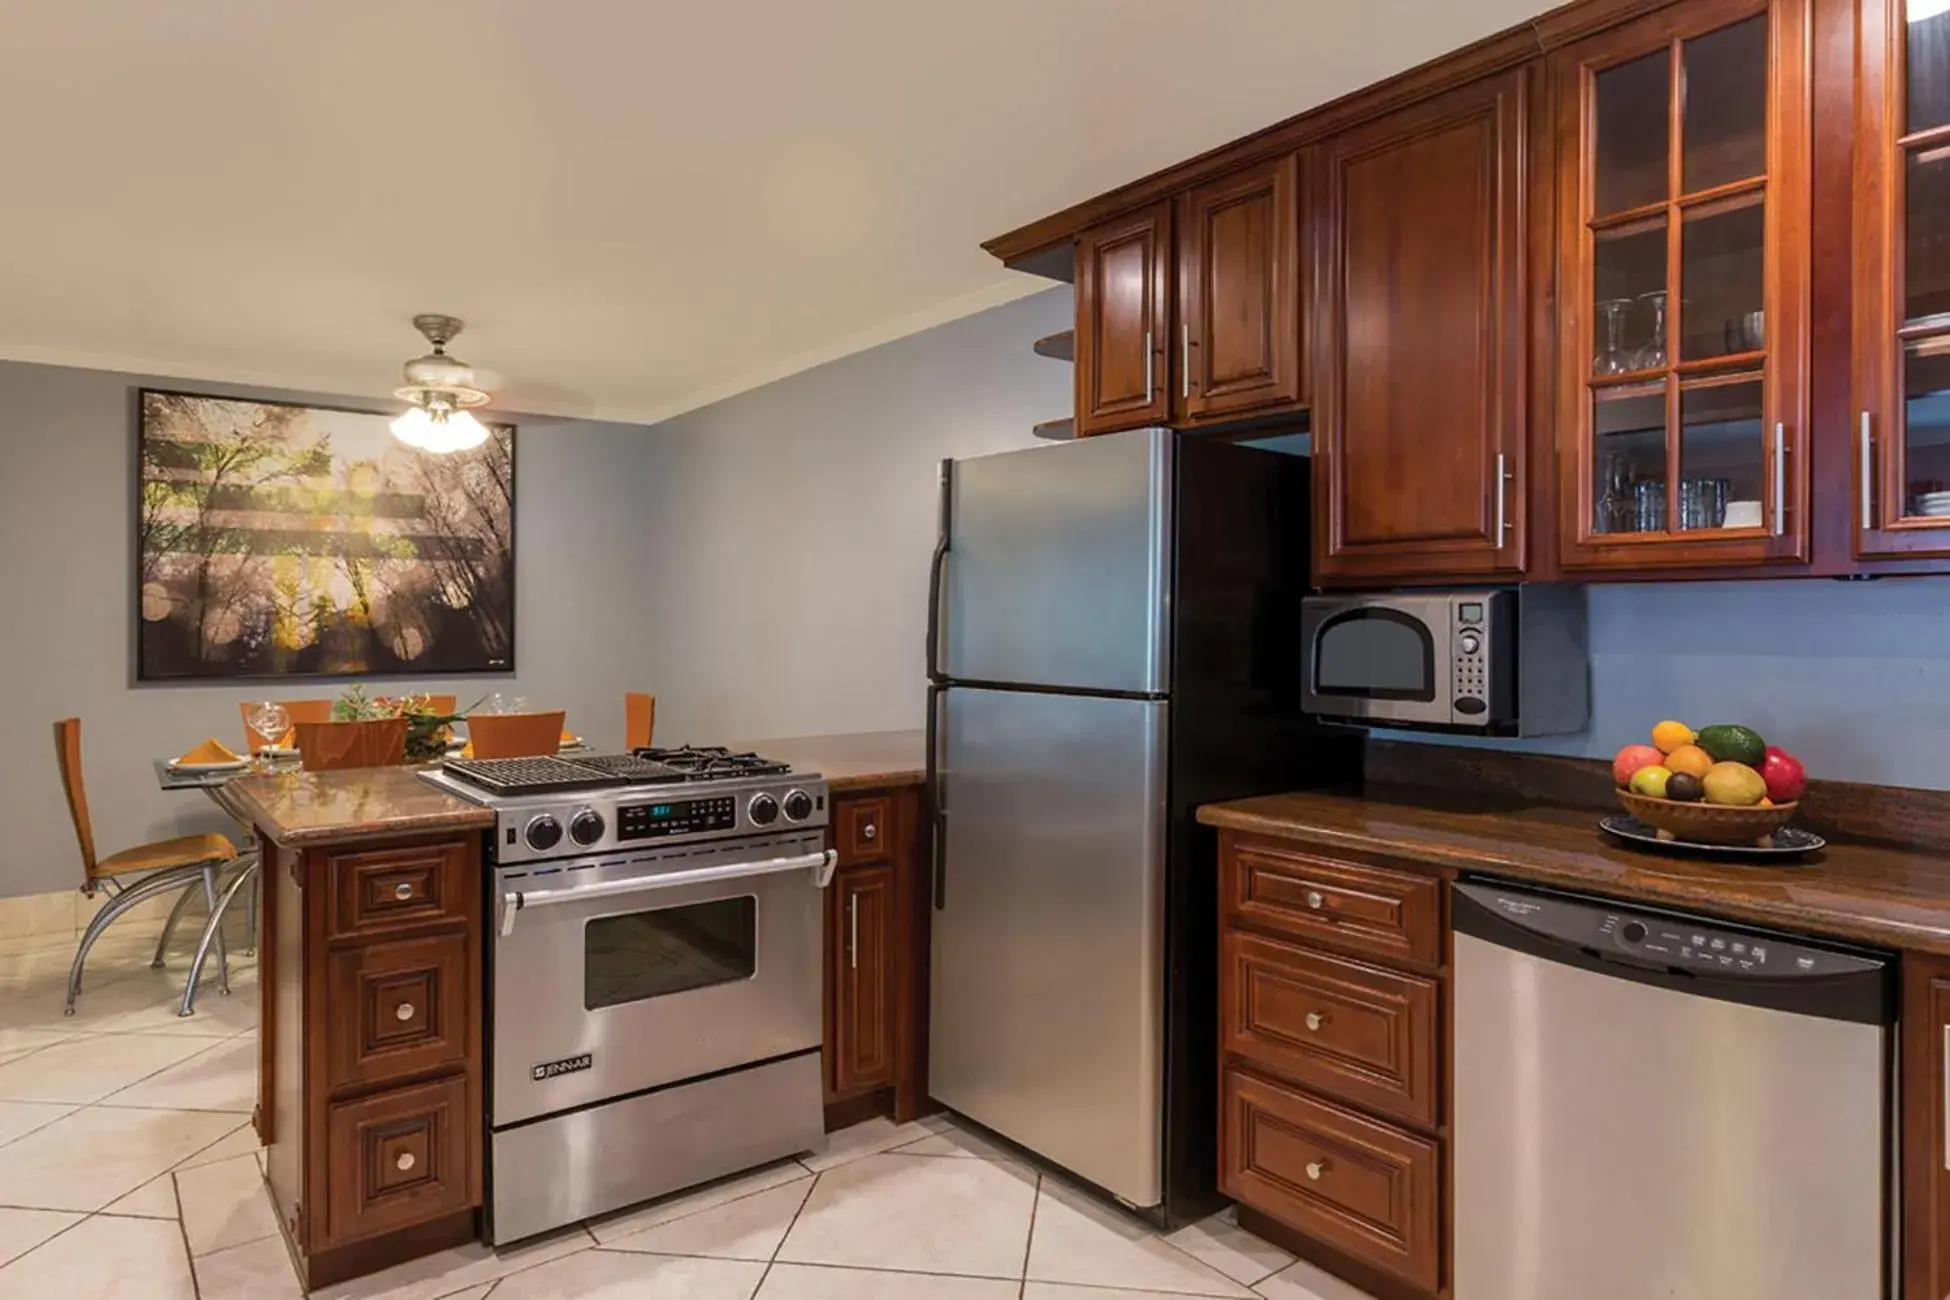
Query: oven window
671, 950
1375, 654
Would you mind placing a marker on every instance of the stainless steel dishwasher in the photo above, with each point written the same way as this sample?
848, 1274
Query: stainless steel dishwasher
1655, 1106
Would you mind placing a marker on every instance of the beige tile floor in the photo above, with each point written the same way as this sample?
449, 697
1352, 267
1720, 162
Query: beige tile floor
128, 1170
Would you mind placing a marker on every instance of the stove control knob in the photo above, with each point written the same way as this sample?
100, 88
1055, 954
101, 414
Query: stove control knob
763, 810
543, 833
1632, 932
586, 827
798, 805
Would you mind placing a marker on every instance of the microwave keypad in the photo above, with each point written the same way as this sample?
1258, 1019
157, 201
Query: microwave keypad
1472, 687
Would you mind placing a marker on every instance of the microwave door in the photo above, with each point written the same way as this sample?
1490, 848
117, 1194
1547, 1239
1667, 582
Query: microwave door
1384, 662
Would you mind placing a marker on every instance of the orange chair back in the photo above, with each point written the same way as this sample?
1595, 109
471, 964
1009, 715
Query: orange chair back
335, 746
639, 719
444, 705
67, 753
297, 710
515, 735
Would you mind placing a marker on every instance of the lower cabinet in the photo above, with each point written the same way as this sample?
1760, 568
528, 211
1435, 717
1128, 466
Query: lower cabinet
876, 949
1925, 1127
1333, 989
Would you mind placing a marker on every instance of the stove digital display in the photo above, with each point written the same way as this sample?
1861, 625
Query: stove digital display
646, 821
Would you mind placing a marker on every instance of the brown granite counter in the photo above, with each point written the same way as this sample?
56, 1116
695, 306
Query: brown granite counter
1873, 893
300, 808
859, 760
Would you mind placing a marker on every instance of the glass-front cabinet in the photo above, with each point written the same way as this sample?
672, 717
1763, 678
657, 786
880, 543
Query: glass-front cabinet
1902, 279
1683, 269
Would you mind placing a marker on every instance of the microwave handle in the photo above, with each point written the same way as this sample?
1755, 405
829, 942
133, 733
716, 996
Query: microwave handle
514, 902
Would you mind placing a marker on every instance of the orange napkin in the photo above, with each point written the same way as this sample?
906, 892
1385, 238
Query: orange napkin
210, 751
467, 750
569, 737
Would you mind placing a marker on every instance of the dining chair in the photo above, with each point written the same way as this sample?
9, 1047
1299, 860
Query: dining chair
515, 735
444, 705
134, 875
296, 710
336, 746
639, 719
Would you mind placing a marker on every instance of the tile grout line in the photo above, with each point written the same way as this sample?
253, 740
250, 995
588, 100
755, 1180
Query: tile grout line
183, 1230
1029, 1239
771, 1263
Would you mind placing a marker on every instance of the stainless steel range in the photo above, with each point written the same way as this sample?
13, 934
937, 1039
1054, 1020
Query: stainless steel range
655, 972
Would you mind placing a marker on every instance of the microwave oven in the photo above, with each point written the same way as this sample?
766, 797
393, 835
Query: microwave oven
1506, 661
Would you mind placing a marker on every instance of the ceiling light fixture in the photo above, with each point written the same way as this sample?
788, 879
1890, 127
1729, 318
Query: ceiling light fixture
441, 388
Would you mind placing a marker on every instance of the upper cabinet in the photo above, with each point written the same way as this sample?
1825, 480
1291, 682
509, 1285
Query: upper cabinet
1901, 466
1420, 310
1123, 322
1239, 329
1683, 269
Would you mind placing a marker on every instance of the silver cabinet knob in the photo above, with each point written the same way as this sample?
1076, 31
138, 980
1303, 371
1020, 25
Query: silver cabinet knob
405, 1161
869, 831
1315, 899
405, 1011
1315, 1020
1317, 1169
402, 892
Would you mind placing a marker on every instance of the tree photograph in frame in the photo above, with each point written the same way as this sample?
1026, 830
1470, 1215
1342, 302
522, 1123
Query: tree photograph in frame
284, 540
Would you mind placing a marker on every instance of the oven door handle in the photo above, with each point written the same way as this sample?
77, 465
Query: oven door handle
514, 902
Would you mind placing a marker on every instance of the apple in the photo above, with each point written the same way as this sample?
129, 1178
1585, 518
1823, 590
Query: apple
1786, 779
1630, 759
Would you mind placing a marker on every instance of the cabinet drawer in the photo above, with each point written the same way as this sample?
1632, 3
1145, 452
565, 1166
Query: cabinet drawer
1350, 1030
389, 889
1365, 1187
396, 1008
863, 829
397, 1159
1346, 905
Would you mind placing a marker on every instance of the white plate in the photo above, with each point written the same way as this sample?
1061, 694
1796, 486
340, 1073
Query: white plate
233, 765
279, 751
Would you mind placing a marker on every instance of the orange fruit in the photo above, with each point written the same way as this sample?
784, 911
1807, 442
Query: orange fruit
1690, 759
1670, 735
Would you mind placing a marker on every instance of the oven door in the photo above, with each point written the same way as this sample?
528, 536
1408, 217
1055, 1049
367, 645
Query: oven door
618, 973
1386, 660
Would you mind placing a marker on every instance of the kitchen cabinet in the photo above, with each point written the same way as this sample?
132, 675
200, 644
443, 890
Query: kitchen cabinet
1684, 264
1420, 312
876, 961
1925, 1113
1239, 324
1901, 465
1123, 323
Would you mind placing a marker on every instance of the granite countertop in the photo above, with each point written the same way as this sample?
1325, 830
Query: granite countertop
857, 760
302, 808
1872, 893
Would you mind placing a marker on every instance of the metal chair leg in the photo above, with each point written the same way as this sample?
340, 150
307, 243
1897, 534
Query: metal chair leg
250, 915
169, 928
213, 931
120, 902
216, 923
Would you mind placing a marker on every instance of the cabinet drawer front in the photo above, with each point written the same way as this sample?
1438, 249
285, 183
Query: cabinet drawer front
1353, 1031
398, 1158
863, 829
388, 889
1347, 905
396, 1008
1362, 1186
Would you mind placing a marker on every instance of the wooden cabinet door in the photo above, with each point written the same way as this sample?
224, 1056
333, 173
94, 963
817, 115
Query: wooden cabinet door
1239, 294
1925, 1108
1901, 461
1684, 207
1419, 312
863, 1015
1123, 322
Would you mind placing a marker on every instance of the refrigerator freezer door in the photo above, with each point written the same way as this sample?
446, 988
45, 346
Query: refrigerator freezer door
1047, 1018
1059, 566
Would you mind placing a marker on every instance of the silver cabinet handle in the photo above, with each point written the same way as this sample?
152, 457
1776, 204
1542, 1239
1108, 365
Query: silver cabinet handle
1868, 450
1315, 1020
869, 831
1185, 361
403, 1012
402, 892
1150, 386
1317, 1169
405, 1161
853, 932
1314, 899
1780, 478
1502, 498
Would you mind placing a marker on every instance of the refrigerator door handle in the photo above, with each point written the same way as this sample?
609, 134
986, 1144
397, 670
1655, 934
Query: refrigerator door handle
935, 570
937, 812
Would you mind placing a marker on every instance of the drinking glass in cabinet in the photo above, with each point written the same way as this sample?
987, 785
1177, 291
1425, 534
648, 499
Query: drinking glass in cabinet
1722, 441
1613, 358
1653, 355
1628, 264
1629, 469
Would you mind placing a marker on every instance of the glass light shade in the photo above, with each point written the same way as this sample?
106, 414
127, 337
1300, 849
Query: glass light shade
439, 432
411, 428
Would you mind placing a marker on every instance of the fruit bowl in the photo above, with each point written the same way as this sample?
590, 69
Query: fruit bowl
1708, 823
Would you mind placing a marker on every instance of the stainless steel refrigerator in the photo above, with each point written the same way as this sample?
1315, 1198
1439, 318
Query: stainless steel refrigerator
1113, 639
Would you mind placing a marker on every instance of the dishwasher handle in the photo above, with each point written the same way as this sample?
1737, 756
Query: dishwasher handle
1679, 951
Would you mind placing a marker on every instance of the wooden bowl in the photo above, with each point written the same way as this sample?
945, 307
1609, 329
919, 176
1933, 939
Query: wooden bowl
1708, 823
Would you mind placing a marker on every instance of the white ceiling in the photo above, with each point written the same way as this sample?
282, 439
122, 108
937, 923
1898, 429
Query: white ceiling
637, 206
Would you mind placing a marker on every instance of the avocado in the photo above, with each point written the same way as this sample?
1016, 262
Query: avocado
1684, 787
1730, 743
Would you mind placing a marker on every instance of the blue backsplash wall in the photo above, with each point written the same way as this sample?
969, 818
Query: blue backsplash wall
1854, 677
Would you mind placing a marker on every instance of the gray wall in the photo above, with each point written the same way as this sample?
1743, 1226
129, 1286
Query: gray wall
787, 584
66, 486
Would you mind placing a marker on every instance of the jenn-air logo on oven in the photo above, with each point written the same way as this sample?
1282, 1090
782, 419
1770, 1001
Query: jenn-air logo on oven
567, 1065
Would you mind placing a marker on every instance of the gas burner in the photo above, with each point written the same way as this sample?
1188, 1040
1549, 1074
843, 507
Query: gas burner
713, 762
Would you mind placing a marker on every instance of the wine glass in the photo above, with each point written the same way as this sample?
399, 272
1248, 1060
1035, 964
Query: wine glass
268, 720
1613, 359
1653, 355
